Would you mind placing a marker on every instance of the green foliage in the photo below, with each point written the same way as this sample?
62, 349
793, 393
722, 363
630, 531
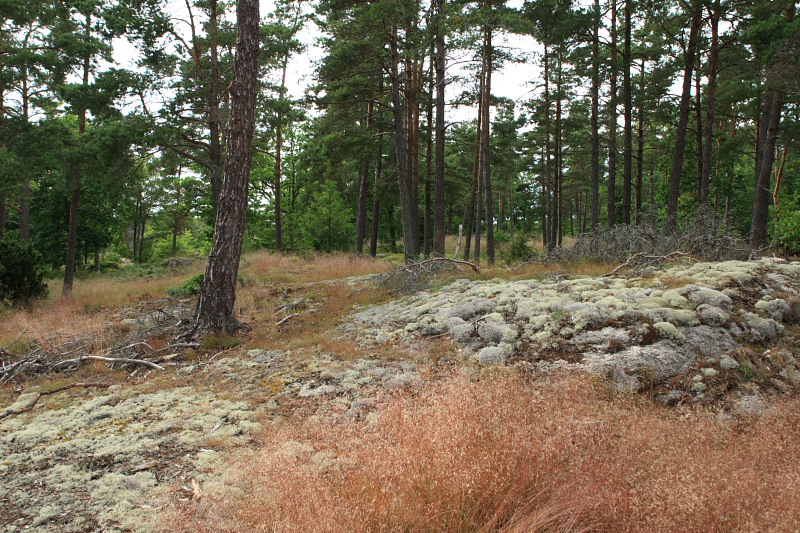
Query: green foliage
749, 372
190, 288
21, 279
519, 249
501, 237
785, 230
328, 223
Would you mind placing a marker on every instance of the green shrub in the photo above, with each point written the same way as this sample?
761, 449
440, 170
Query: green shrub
21, 278
501, 236
519, 249
786, 229
190, 288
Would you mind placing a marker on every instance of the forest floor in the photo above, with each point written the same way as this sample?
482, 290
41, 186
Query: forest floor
517, 399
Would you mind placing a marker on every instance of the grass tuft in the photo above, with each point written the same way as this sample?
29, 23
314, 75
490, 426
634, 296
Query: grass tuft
505, 455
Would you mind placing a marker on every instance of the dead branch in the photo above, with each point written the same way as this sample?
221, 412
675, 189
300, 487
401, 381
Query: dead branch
123, 360
286, 319
417, 276
300, 303
12, 412
433, 260
7, 347
648, 259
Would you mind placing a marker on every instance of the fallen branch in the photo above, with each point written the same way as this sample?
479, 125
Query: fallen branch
7, 347
12, 412
286, 319
123, 360
649, 259
421, 264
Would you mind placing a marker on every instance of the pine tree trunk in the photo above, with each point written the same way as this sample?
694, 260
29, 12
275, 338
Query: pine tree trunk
25, 204
279, 161
363, 185
683, 121
595, 222
548, 203
392, 232
215, 308
627, 176
558, 178
408, 200
476, 253
428, 218
698, 130
612, 124
486, 145
214, 109
469, 218
439, 229
711, 100
376, 201
640, 151
361, 207
768, 136
77, 185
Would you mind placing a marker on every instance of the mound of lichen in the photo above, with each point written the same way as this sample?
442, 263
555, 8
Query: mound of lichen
94, 464
634, 330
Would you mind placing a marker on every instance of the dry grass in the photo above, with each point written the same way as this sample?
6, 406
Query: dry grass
329, 302
505, 455
84, 314
276, 267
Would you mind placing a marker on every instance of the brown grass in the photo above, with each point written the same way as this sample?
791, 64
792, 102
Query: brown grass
505, 455
84, 313
283, 268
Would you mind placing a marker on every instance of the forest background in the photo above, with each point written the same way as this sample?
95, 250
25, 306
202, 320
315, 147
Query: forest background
644, 113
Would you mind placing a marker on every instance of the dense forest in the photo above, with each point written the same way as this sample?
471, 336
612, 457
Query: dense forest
646, 113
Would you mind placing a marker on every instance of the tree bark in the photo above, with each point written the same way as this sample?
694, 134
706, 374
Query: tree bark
77, 182
215, 308
439, 229
25, 204
711, 100
627, 177
361, 207
548, 200
640, 149
558, 177
469, 218
595, 219
683, 121
376, 201
612, 123
428, 216
408, 200
698, 131
214, 111
768, 135
486, 144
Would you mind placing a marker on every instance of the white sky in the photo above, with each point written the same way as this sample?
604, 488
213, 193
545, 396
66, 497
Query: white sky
513, 81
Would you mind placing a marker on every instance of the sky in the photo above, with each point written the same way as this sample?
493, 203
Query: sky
513, 81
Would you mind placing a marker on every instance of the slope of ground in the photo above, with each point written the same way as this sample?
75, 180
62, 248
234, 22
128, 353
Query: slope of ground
329, 365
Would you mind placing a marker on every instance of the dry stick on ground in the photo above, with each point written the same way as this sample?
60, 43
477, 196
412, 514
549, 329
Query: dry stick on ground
4, 348
650, 258
286, 319
110, 360
11, 412
432, 260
